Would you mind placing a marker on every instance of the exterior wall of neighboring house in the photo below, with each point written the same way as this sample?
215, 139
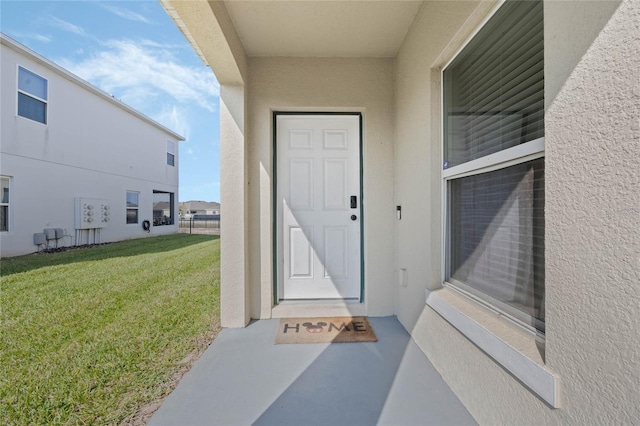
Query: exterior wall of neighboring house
319, 85
92, 146
190, 208
592, 69
587, 369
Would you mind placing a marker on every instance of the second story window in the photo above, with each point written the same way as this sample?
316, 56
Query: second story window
171, 153
32, 96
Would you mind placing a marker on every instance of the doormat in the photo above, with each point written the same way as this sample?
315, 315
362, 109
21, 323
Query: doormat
325, 330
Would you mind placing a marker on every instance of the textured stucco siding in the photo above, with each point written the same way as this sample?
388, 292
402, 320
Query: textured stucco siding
234, 300
417, 156
593, 233
592, 79
316, 84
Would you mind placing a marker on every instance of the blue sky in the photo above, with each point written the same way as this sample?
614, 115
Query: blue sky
132, 50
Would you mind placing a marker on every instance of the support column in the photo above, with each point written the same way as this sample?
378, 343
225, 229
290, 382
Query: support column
234, 291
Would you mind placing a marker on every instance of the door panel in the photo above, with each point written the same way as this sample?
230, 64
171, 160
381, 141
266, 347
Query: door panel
336, 254
335, 184
301, 252
301, 184
318, 171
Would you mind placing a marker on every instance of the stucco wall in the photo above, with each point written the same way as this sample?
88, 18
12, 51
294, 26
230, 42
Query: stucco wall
234, 293
592, 214
316, 84
417, 156
592, 75
89, 148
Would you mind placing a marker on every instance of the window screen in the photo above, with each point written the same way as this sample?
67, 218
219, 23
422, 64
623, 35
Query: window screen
493, 101
497, 236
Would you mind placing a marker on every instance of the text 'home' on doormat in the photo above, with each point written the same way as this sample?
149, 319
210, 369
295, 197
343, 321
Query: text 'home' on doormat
325, 330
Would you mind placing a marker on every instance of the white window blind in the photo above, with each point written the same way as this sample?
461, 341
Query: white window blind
494, 101
494, 89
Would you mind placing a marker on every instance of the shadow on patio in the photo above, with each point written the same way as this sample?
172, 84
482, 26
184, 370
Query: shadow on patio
244, 378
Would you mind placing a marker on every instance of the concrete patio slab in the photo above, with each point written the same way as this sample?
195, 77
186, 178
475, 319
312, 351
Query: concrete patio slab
244, 378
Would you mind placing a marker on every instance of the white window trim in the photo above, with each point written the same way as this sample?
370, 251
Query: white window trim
485, 326
508, 157
484, 330
499, 160
45, 101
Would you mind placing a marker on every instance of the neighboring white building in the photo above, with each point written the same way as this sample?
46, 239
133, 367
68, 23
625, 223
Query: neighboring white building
76, 159
513, 265
190, 208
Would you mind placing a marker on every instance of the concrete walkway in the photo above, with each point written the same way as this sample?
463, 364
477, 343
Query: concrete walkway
244, 378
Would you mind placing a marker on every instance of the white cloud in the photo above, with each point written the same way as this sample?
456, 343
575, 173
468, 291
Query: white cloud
139, 71
175, 119
67, 26
19, 35
124, 13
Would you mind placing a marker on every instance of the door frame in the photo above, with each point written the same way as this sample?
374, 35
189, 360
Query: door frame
274, 193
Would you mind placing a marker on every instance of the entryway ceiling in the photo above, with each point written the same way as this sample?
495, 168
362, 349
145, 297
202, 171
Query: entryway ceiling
321, 28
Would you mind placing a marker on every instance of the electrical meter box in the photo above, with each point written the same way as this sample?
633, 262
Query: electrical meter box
92, 213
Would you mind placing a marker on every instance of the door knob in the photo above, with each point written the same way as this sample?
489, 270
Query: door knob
354, 217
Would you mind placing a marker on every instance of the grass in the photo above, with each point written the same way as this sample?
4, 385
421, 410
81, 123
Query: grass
92, 335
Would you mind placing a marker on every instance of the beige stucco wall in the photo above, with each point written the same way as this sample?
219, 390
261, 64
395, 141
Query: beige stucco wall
417, 155
592, 79
234, 295
317, 84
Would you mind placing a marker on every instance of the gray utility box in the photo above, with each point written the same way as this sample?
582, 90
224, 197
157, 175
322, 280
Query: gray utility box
40, 239
54, 233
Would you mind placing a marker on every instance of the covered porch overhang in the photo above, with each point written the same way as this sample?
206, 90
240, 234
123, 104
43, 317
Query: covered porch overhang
319, 56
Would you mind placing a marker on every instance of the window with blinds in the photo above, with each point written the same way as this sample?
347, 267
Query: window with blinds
493, 165
32, 96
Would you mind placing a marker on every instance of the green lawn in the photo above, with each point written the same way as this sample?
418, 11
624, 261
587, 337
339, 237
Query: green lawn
91, 335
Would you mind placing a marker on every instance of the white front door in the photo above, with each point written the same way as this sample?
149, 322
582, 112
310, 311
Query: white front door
318, 206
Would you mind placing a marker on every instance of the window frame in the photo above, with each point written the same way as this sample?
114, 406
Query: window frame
171, 153
7, 204
172, 207
127, 208
515, 155
32, 96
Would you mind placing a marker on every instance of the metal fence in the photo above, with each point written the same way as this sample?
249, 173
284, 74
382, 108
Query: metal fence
199, 226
